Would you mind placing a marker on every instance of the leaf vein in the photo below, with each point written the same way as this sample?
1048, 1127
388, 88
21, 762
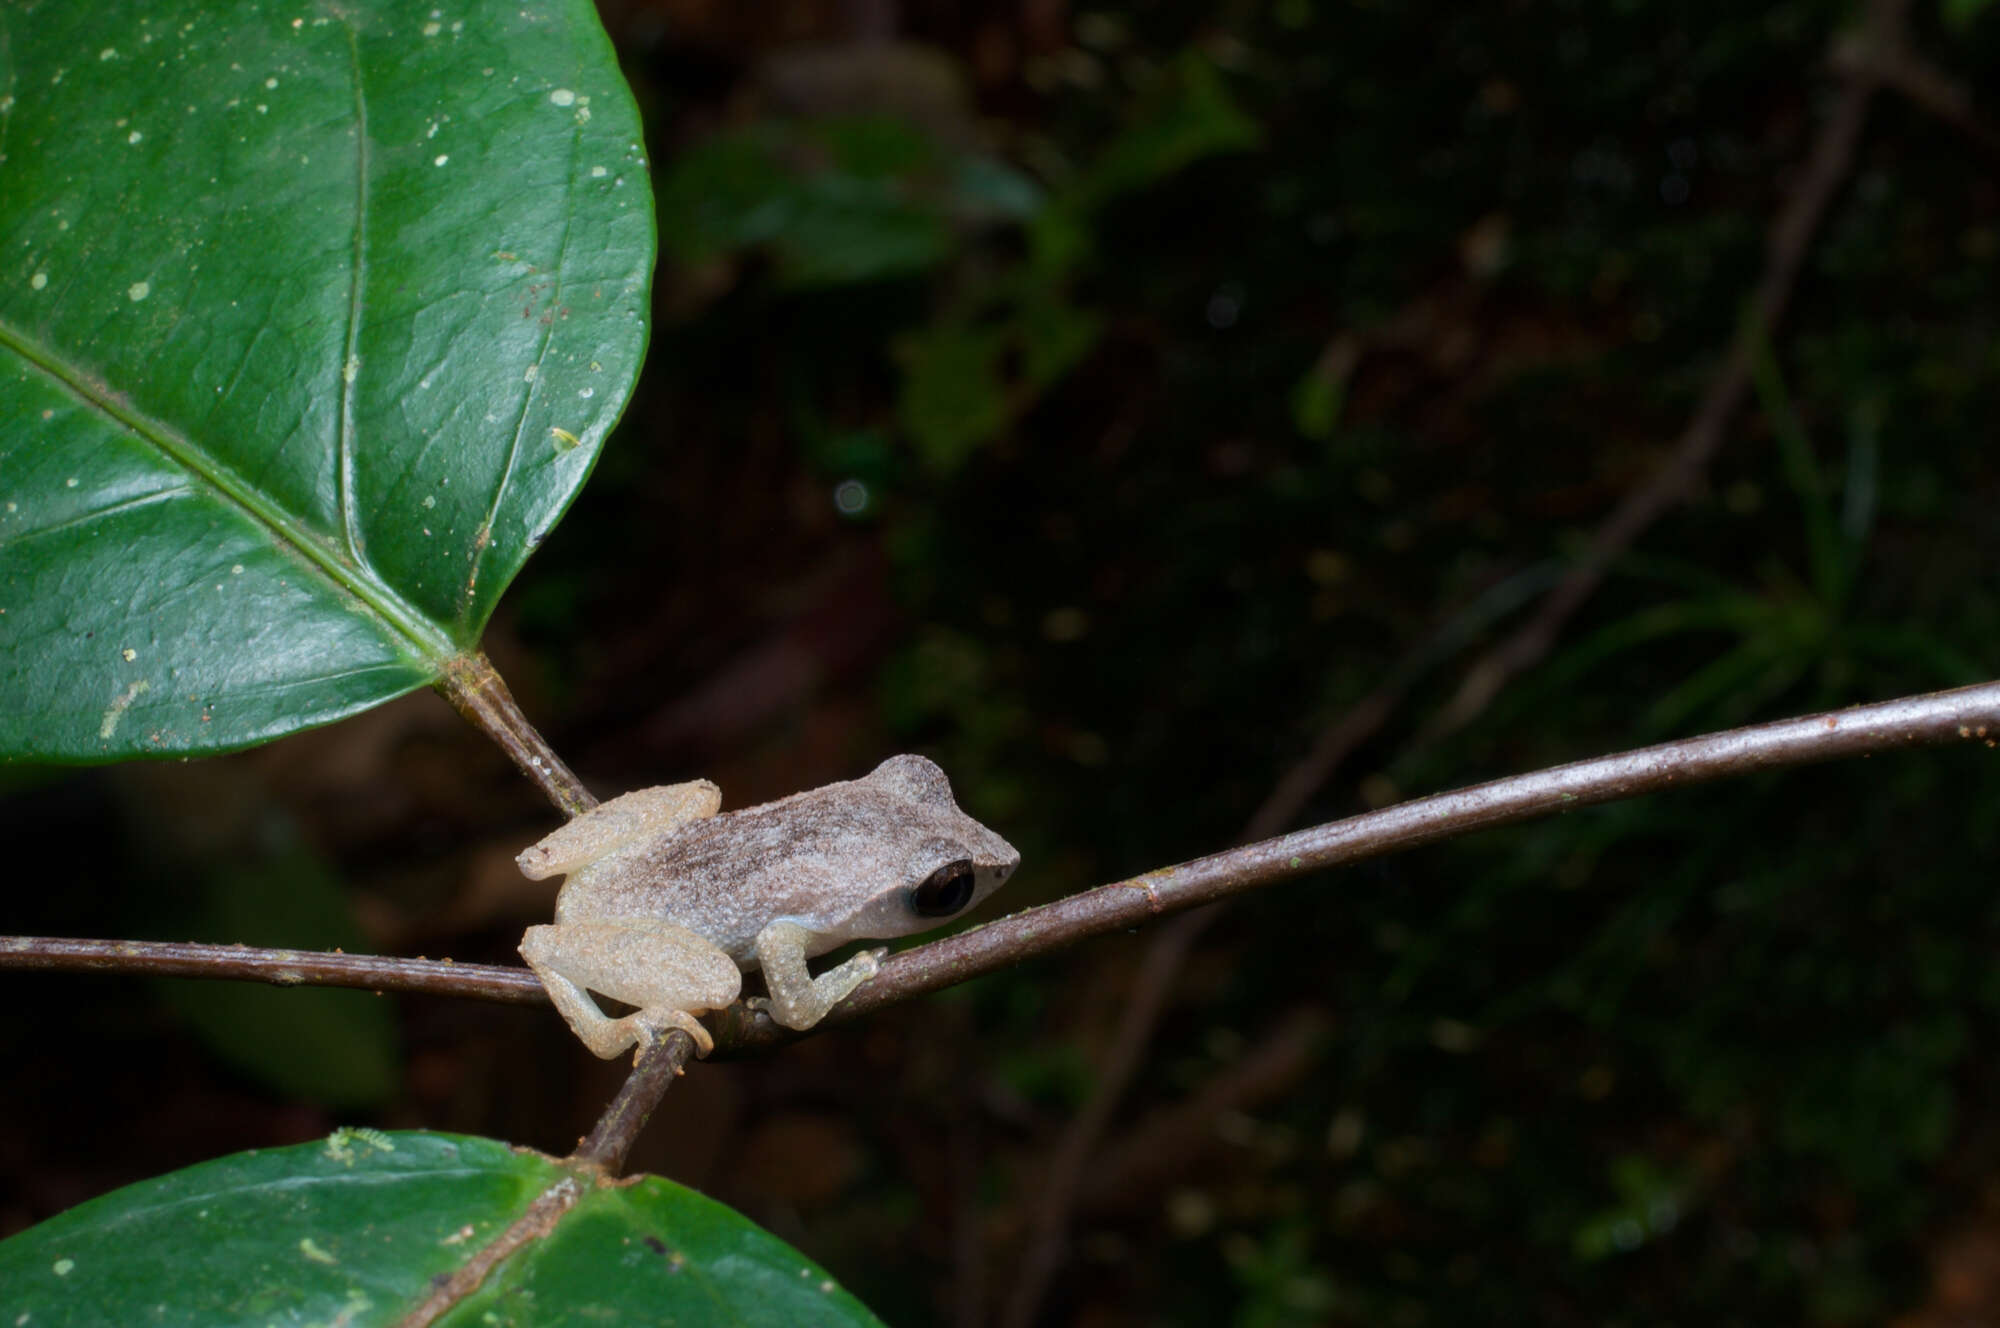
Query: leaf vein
95, 514
349, 368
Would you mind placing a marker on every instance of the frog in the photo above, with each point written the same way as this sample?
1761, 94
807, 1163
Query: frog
667, 901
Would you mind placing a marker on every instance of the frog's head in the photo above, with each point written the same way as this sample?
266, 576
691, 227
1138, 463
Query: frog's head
947, 862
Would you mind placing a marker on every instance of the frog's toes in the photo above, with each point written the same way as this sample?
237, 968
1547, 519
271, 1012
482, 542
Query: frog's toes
649, 1026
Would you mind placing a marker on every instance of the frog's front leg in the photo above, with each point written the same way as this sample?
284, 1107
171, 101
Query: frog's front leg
798, 999
669, 972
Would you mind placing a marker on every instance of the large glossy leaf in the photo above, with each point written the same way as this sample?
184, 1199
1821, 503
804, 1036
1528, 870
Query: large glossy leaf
313, 317
358, 1230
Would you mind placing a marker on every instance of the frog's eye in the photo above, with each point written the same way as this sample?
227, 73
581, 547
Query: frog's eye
945, 891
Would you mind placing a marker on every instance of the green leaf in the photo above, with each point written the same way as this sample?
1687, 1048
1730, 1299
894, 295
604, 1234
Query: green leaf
356, 1228
312, 321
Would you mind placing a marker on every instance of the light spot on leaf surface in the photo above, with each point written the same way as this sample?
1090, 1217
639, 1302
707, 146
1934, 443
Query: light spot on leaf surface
62, 1267
139, 290
107, 724
39, 280
563, 97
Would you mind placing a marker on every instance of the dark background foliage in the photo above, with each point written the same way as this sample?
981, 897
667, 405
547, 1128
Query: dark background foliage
1104, 401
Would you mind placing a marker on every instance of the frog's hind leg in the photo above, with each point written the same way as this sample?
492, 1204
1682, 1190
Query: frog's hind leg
668, 972
640, 814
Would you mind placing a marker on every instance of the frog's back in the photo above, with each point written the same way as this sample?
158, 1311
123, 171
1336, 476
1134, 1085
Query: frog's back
726, 876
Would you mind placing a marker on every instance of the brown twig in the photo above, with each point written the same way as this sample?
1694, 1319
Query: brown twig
1963, 714
653, 1073
476, 688
280, 968
471, 684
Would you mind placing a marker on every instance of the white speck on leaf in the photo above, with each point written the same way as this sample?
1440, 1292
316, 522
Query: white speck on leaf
563, 97
134, 136
139, 290
70, 483
128, 654
351, 370
61, 1267
270, 82
586, 392
433, 28
429, 501
108, 723
528, 375
39, 280
442, 158
598, 172
108, 53
236, 569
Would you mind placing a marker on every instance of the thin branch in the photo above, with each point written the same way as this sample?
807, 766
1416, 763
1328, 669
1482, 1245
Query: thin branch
280, 968
1931, 719
1933, 90
1964, 714
471, 684
653, 1073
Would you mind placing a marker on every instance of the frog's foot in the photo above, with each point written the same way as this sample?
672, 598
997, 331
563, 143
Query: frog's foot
645, 1027
798, 999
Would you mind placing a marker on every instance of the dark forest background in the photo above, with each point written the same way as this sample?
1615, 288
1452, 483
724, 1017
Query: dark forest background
1137, 408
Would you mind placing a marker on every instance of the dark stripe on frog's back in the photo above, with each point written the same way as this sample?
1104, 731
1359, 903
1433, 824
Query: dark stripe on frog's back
732, 868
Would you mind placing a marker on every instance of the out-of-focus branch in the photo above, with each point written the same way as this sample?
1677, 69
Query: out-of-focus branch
1904, 70
1826, 170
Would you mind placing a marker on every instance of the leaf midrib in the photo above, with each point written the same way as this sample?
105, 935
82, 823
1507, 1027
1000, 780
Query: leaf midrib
354, 579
